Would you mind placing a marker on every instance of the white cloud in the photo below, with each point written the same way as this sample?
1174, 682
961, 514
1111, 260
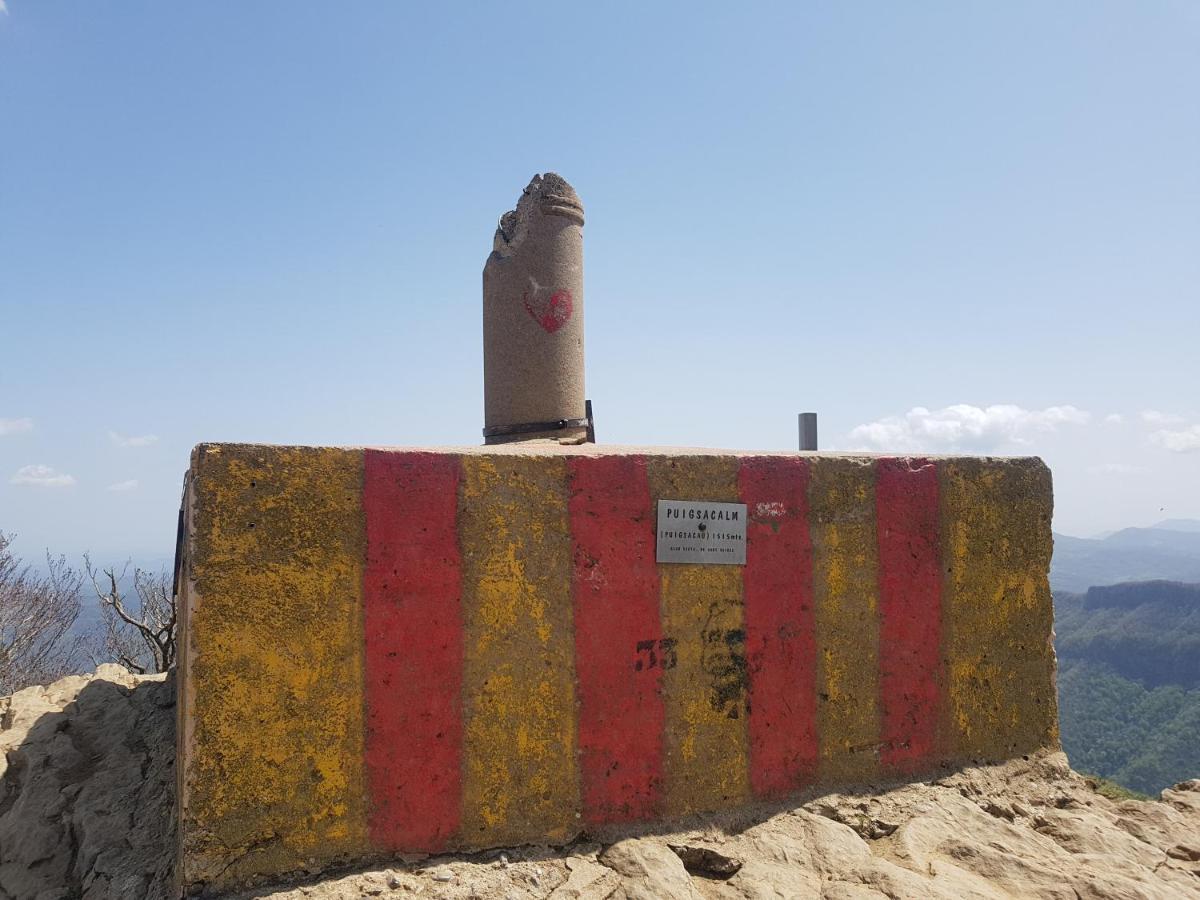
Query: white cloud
3, 7
1184, 441
123, 440
1115, 469
1154, 417
1113, 419
15, 426
130, 485
963, 426
42, 476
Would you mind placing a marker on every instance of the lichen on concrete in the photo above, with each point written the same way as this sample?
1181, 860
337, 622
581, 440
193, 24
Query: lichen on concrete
998, 612
845, 567
520, 778
274, 597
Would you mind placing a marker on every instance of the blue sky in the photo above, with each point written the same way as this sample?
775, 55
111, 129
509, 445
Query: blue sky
942, 226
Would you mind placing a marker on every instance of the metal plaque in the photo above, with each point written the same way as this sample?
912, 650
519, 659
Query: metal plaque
700, 531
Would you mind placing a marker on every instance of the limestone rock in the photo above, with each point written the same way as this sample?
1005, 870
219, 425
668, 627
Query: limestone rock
87, 788
651, 871
587, 881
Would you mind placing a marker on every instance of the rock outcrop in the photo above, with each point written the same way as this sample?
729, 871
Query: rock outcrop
87, 788
87, 794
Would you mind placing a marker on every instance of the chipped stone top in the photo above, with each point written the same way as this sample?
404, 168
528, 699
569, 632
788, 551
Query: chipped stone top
549, 195
552, 447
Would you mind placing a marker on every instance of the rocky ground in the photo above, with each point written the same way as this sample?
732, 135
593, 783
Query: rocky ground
87, 788
86, 794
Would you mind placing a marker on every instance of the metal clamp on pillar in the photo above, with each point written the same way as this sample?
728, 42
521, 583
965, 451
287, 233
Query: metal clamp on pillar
558, 425
531, 427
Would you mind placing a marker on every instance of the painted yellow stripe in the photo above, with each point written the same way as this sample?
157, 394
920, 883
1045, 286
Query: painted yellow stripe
520, 781
845, 591
996, 608
274, 775
706, 747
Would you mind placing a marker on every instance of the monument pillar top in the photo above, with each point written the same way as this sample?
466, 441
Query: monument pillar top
533, 319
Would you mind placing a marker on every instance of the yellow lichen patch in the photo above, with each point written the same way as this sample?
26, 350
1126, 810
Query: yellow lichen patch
845, 592
706, 746
996, 608
519, 775
273, 764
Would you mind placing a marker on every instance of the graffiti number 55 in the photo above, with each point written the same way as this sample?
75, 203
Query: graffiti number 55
648, 659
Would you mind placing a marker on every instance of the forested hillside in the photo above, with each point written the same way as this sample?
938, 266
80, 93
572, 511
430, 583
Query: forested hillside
1129, 681
1147, 631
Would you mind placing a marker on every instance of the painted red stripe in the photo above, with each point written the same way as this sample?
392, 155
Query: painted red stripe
910, 610
413, 635
780, 642
619, 648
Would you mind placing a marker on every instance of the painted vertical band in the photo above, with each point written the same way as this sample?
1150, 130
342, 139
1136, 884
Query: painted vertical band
997, 610
277, 635
412, 591
845, 588
620, 653
910, 608
780, 649
520, 780
706, 754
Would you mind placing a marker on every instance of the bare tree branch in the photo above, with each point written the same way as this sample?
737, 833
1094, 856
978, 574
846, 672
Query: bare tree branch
141, 639
37, 613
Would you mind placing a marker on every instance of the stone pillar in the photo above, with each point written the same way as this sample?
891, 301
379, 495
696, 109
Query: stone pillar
533, 319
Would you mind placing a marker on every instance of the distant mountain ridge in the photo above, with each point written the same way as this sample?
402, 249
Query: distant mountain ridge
1192, 525
1131, 554
1168, 595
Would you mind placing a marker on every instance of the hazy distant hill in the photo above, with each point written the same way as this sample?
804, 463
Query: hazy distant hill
1129, 681
1170, 550
1192, 525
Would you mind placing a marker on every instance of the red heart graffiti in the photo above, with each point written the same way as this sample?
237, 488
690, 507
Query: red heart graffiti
552, 314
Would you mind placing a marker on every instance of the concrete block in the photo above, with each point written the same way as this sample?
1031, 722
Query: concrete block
393, 651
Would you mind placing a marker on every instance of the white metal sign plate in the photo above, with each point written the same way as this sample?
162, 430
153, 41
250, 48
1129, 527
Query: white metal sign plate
701, 531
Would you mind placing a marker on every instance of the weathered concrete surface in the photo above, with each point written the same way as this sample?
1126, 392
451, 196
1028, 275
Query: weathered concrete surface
518, 752
846, 597
533, 313
996, 606
706, 745
528, 673
273, 670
